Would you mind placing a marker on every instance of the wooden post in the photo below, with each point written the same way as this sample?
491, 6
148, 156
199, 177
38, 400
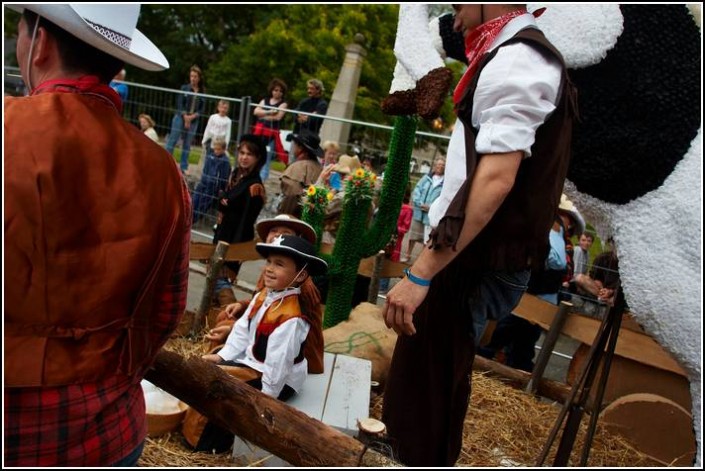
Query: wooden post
258, 418
547, 348
374, 280
214, 266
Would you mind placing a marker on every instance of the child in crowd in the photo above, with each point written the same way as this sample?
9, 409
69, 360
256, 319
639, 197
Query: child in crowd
213, 180
266, 345
147, 126
219, 126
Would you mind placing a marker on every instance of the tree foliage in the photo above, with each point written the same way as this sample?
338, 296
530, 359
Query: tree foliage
242, 47
308, 41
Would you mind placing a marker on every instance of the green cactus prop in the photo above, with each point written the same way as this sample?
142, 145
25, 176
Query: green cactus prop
315, 202
355, 240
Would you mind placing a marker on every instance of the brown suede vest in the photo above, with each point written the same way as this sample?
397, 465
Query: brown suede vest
516, 236
94, 218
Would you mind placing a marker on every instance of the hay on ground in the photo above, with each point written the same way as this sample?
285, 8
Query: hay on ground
504, 427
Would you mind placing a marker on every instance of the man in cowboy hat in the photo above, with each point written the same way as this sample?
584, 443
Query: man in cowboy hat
97, 230
302, 173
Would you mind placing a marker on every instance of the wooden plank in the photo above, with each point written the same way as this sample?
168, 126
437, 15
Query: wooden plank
633, 345
629, 376
349, 395
240, 252
389, 269
263, 420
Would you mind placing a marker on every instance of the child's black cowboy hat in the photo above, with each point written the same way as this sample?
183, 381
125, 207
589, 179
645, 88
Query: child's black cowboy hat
297, 248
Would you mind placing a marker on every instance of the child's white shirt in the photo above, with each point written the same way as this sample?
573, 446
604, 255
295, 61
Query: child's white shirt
283, 346
218, 126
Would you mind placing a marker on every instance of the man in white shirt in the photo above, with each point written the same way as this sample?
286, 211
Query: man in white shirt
507, 160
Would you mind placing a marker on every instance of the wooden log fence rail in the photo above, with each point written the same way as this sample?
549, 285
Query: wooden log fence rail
252, 415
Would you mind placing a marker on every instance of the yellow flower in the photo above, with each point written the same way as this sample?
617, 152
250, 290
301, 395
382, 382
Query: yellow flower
359, 173
311, 190
373, 177
329, 196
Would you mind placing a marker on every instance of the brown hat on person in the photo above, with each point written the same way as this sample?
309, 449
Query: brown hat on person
301, 228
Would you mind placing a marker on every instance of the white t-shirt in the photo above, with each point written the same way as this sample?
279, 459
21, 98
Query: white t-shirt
515, 94
218, 126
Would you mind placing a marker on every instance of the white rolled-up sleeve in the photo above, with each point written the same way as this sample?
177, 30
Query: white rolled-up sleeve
515, 94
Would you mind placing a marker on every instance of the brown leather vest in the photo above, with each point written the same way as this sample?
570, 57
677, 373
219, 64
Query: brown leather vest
516, 236
94, 218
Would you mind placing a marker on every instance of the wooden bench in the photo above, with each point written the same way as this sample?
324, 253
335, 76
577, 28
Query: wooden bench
338, 397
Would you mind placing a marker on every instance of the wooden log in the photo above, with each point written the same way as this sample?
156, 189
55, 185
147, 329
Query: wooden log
216, 263
258, 418
519, 379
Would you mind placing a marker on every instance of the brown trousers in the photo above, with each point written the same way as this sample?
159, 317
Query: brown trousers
428, 388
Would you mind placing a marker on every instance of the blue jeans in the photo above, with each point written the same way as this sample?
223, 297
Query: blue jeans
186, 135
264, 173
499, 293
130, 461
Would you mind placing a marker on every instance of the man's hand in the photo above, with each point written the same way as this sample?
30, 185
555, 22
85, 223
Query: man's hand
402, 301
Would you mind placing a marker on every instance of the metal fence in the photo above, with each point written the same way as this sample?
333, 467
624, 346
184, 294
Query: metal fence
367, 140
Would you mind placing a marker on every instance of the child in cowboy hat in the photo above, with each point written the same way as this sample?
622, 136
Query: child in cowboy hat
268, 230
266, 345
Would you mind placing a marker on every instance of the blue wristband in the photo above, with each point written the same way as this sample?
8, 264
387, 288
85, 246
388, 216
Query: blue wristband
415, 279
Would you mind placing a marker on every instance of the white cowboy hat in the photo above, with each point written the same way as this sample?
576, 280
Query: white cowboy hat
302, 228
111, 28
567, 206
347, 164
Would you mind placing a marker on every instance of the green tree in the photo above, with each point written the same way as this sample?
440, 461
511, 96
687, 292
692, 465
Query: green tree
305, 41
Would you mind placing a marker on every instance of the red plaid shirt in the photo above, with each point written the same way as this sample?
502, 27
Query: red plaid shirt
91, 424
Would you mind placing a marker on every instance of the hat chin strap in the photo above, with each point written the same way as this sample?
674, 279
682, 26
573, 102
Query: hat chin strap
28, 82
297, 275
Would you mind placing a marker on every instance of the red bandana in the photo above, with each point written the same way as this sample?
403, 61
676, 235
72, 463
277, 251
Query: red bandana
478, 41
88, 84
